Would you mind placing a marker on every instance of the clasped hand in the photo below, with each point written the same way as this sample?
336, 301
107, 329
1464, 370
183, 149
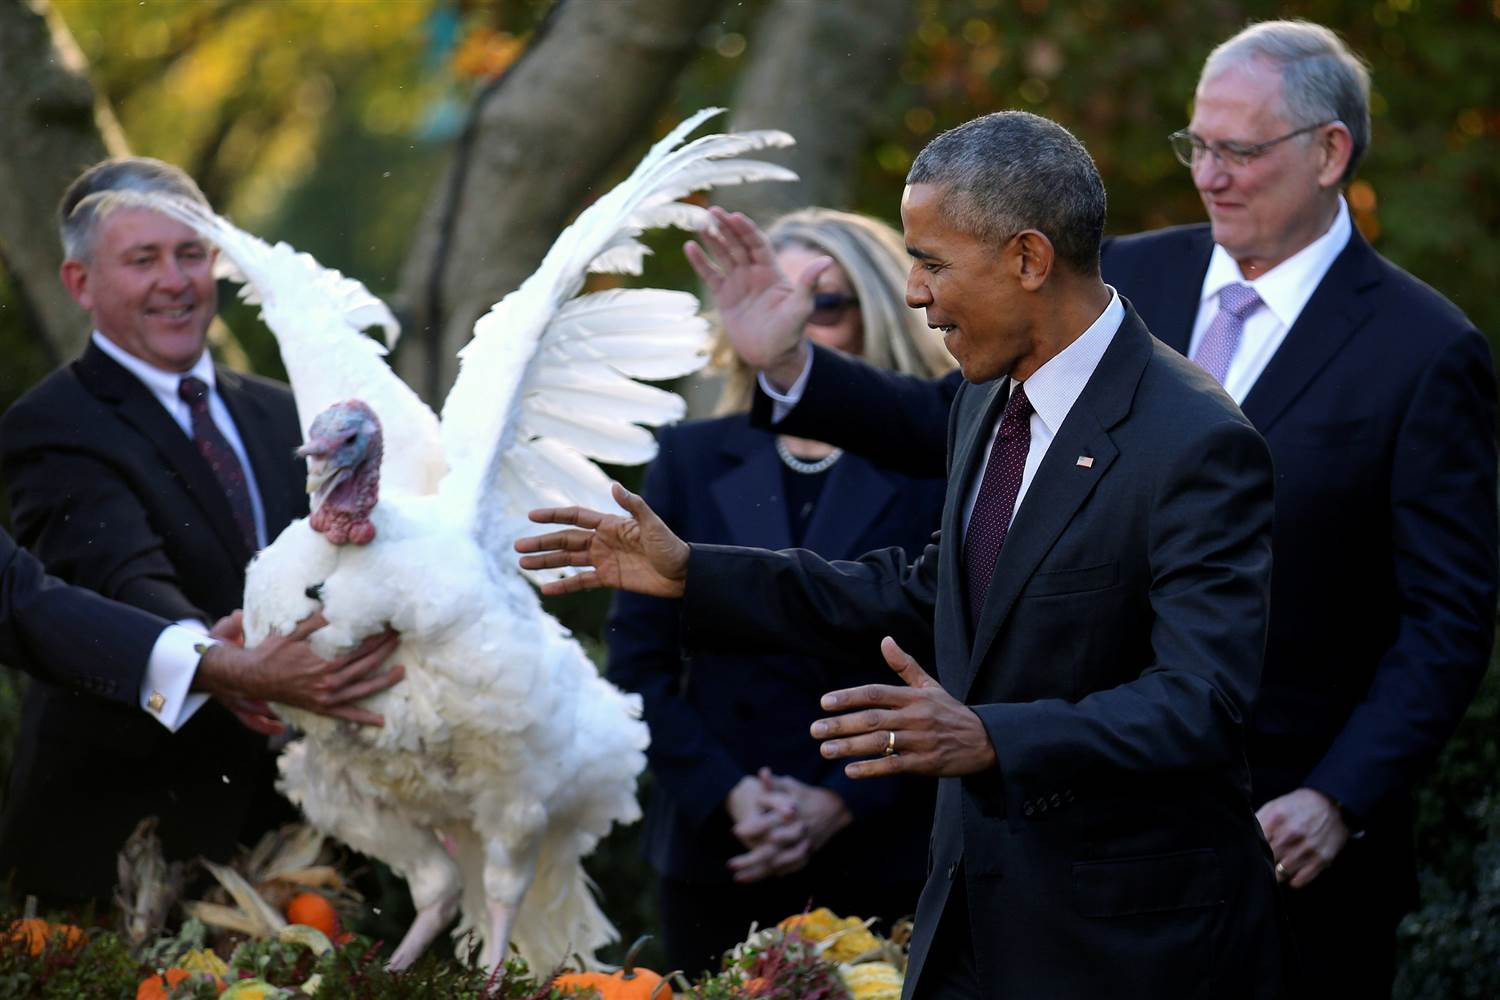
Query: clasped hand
782, 822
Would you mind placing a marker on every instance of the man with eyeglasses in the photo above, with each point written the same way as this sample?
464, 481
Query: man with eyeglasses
1376, 396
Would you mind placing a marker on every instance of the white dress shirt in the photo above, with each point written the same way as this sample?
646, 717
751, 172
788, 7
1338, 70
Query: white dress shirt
1052, 390
1284, 289
166, 688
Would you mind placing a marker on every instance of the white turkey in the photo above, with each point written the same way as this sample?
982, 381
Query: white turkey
504, 757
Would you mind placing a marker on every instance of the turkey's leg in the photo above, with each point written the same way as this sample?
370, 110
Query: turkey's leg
508, 873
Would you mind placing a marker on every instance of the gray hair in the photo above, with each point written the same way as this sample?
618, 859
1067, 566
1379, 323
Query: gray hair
1011, 171
1322, 79
87, 199
873, 256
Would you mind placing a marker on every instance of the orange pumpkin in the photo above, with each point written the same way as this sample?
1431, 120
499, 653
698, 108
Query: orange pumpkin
313, 910
159, 987
35, 933
629, 983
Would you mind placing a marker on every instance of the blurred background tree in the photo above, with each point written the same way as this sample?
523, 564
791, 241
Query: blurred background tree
433, 148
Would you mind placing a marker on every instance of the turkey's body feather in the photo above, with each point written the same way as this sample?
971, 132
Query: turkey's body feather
502, 731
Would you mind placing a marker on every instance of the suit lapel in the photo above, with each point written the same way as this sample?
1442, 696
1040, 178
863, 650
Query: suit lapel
141, 410
854, 496
1060, 485
1336, 310
749, 495
1170, 307
271, 470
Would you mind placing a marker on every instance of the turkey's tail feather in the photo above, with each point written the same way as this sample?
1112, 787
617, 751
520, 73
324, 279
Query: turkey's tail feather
559, 919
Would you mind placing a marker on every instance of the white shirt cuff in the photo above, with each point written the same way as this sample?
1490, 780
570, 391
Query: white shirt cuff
782, 402
165, 690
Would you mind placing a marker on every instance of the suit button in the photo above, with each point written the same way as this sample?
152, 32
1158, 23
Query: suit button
1068, 795
1056, 801
1028, 809
952, 870
1041, 803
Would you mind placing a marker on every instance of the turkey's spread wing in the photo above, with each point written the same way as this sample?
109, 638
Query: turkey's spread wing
318, 317
546, 386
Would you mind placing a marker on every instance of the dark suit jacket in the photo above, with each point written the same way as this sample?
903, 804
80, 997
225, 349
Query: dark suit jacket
716, 718
110, 494
69, 636
1113, 851
1379, 412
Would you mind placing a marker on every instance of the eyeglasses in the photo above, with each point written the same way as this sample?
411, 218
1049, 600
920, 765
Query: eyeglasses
829, 308
1190, 149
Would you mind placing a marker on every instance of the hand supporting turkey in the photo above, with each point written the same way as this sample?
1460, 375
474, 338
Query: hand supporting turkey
284, 668
763, 311
638, 553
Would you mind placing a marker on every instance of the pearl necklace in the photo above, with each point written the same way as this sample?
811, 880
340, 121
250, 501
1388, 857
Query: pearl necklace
802, 465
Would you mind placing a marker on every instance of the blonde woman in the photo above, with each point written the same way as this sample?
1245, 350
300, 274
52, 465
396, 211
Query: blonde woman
746, 822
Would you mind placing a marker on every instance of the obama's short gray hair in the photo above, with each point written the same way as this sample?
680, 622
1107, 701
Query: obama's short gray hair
1011, 171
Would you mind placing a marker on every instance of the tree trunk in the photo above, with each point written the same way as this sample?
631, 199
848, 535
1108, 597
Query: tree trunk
537, 144
817, 70
53, 127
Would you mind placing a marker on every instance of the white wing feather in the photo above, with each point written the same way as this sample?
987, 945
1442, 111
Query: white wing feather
318, 317
545, 384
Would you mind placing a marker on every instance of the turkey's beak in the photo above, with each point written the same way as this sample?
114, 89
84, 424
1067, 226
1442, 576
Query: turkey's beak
322, 478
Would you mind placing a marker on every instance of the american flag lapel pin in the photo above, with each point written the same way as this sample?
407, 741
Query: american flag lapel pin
1085, 461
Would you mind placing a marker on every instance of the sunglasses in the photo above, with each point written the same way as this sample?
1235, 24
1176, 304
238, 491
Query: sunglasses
829, 308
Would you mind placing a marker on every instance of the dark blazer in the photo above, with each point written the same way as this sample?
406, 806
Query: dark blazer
1113, 851
1379, 410
69, 636
110, 494
717, 717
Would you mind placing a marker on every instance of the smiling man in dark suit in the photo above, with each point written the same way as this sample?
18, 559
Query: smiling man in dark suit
1096, 600
1377, 398
148, 474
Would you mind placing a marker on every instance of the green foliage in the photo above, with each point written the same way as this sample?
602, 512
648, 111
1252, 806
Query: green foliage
1452, 944
100, 970
104, 969
1450, 948
776, 965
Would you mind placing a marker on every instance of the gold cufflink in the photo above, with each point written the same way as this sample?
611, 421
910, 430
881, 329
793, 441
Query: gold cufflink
201, 647
157, 701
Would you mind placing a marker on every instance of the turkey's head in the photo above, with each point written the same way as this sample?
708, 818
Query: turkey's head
343, 452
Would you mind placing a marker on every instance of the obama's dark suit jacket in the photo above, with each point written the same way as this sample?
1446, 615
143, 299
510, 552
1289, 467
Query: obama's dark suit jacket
1112, 852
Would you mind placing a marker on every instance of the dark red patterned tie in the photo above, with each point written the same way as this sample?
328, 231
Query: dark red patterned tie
990, 521
215, 449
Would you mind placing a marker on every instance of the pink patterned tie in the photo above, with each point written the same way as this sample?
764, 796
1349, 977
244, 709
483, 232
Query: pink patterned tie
990, 521
215, 449
1222, 338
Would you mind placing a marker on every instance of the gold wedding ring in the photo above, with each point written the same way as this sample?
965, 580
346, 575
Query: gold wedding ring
890, 743
1281, 872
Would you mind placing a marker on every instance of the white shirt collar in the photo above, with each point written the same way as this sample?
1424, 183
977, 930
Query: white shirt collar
1286, 287
162, 383
1054, 387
